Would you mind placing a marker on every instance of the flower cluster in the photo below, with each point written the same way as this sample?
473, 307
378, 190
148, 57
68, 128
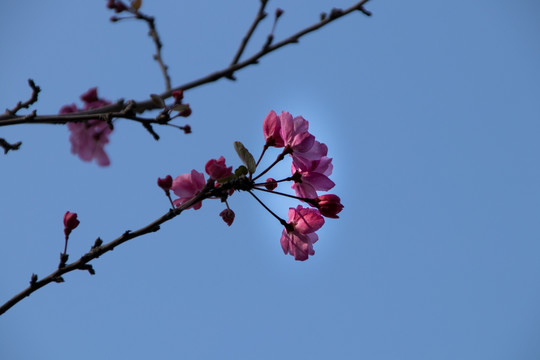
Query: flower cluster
89, 138
310, 171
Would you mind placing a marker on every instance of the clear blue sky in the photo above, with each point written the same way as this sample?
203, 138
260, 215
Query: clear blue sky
431, 112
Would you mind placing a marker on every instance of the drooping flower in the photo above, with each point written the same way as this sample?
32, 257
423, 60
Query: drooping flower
217, 168
187, 186
89, 138
228, 216
329, 205
311, 176
271, 130
298, 237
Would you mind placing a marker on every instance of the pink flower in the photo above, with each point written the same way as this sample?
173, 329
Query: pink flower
217, 168
271, 130
311, 176
299, 235
329, 205
294, 132
89, 138
70, 222
187, 186
228, 216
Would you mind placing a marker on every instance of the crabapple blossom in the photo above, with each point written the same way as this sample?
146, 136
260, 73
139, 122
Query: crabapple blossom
187, 186
271, 130
294, 132
217, 168
298, 237
89, 138
311, 176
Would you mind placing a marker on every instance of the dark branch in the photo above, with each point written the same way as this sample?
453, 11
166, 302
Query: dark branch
7, 146
25, 105
98, 249
260, 15
227, 72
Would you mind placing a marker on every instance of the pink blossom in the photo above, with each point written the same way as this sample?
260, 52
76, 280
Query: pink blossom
294, 132
70, 222
187, 186
299, 235
329, 205
271, 130
228, 216
217, 168
89, 138
311, 176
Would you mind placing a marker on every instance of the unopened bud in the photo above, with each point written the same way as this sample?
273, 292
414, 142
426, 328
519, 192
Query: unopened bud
165, 183
228, 216
270, 184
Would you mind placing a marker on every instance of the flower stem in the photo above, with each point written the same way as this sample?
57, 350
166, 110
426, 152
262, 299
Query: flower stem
281, 221
278, 159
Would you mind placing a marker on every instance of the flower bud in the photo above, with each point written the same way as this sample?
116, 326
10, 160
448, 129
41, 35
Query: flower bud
329, 205
178, 95
228, 216
70, 222
165, 183
271, 184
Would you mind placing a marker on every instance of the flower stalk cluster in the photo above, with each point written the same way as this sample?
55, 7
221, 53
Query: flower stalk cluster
310, 171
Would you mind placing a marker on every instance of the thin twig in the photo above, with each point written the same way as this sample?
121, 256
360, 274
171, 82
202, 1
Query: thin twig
97, 250
155, 37
7, 146
260, 15
25, 105
149, 105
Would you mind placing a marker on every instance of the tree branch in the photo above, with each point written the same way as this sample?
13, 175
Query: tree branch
260, 15
98, 249
33, 98
7, 146
227, 72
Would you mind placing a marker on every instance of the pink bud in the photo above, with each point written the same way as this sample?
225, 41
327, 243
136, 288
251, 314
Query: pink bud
185, 112
187, 129
228, 216
217, 168
279, 12
90, 95
165, 183
329, 205
70, 222
178, 95
271, 184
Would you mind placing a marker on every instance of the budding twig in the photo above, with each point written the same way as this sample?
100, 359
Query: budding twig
260, 15
25, 105
8, 119
97, 250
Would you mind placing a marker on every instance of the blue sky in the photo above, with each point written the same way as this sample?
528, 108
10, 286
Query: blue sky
430, 111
